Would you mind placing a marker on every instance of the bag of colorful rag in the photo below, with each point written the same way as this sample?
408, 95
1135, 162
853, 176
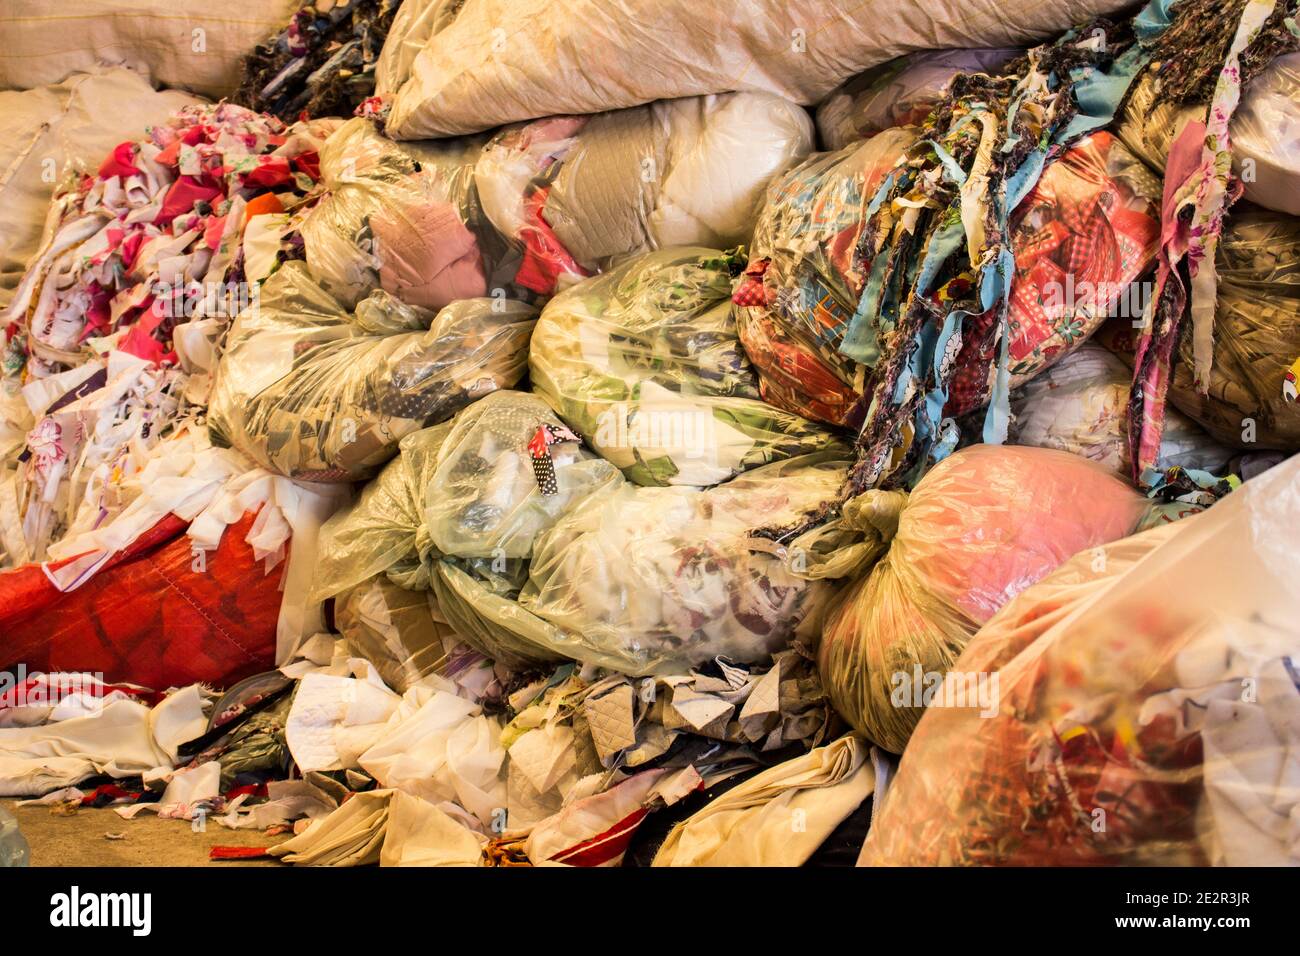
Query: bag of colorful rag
651, 580
805, 276
1080, 405
1142, 709
576, 192
1251, 402
404, 218
899, 93
320, 394
983, 525
644, 363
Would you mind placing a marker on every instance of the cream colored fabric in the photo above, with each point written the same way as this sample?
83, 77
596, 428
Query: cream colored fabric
504, 60
47, 131
780, 816
194, 44
387, 827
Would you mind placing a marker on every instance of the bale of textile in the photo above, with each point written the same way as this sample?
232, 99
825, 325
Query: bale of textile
316, 393
322, 63
191, 44
1007, 233
652, 580
813, 310
458, 512
159, 614
1145, 709
899, 93
48, 132
982, 526
499, 61
402, 218
644, 363
1265, 131
1251, 401
1080, 405
805, 277
575, 192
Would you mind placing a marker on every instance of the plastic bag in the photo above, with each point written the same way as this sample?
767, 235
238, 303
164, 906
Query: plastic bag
981, 526
899, 93
484, 499
805, 278
1251, 402
1151, 692
1080, 405
1265, 132
577, 192
644, 363
645, 580
320, 395
404, 218
499, 61
1089, 229
457, 512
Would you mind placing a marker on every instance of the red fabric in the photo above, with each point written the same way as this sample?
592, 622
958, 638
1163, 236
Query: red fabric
603, 847
545, 258
238, 852
120, 162
148, 617
182, 196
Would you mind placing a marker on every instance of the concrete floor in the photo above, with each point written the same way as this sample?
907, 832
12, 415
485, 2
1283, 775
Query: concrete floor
79, 839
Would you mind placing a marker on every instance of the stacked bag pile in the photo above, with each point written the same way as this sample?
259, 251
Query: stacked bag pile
603, 465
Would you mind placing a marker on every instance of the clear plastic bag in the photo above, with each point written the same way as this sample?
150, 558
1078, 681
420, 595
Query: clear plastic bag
805, 278
405, 218
576, 192
645, 580
1080, 405
483, 499
899, 93
1144, 713
1265, 132
1256, 338
317, 394
644, 363
981, 526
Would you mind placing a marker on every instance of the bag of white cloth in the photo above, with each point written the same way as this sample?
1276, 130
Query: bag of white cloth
499, 61
319, 394
191, 44
651, 580
1265, 132
899, 93
49, 131
458, 512
644, 363
1080, 405
575, 192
